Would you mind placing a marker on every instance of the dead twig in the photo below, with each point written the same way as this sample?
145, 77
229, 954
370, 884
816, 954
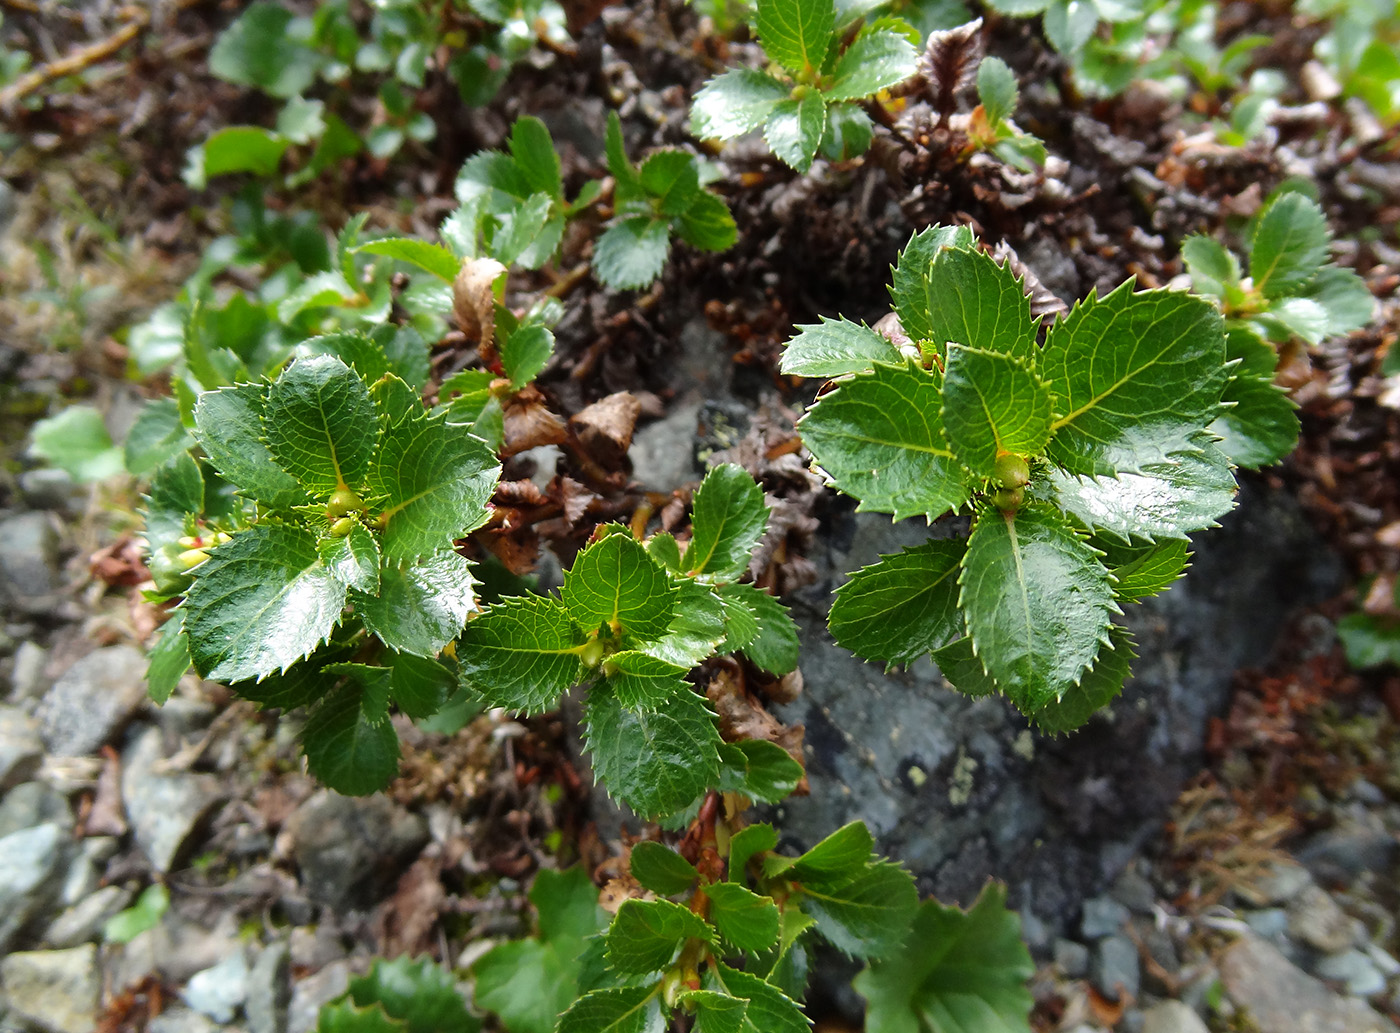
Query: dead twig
73, 63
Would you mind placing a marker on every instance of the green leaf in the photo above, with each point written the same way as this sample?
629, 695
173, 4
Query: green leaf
631, 253
522, 653
1134, 376
769, 1011
1036, 601
841, 856
1214, 270
525, 352
1099, 687
728, 519
865, 916
1369, 641
836, 347
146, 913
663, 549
992, 405
631, 1009
796, 33
996, 88
707, 224
1288, 245
525, 233
748, 841
320, 424
760, 770
260, 603
1262, 427
176, 495
848, 132
157, 436
355, 349
643, 682
696, 629
420, 608
661, 869
535, 156
794, 129
963, 972
169, 658
880, 437
776, 647
345, 749
1294, 317
962, 670
740, 622
260, 50
875, 61
628, 182
1151, 570
353, 560
911, 287
970, 299
656, 762
902, 607
646, 934
1345, 297
229, 427
419, 993
76, 441
1069, 25
434, 480
344, 1016
301, 120
745, 920
566, 903
432, 258
735, 103
714, 1012
672, 180
419, 686
615, 583
249, 149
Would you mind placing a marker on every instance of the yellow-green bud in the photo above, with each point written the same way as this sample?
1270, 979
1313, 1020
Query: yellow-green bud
1012, 471
342, 527
1008, 500
341, 502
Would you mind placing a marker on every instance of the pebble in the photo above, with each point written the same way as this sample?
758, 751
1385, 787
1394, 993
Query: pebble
27, 676
1353, 968
1072, 958
1317, 920
1342, 853
342, 843
269, 990
1103, 916
181, 1020
21, 748
315, 990
93, 700
1116, 969
1284, 881
34, 803
48, 487
1134, 891
164, 809
58, 991
1280, 996
86, 871
662, 453
29, 561
83, 921
219, 991
1172, 1017
32, 860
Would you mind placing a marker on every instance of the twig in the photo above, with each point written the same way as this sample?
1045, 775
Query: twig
75, 62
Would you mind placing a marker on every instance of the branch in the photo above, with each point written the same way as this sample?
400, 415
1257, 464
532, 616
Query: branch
73, 63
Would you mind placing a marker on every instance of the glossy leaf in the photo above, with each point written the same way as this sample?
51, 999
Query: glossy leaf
769, 1009
661, 869
911, 285
157, 436
795, 33
836, 347
996, 89
352, 559
865, 916
794, 129
970, 299
696, 629
1153, 569
643, 682
875, 61
615, 583
346, 749
229, 427
646, 934
761, 770
632, 1009
735, 103
1099, 687
728, 519
776, 648
422, 607
1288, 245
432, 258
522, 653
169, 658
902, 607
1214, 270
1261, 427
320, 424
419, 993
993, 404
631, 253
746, 920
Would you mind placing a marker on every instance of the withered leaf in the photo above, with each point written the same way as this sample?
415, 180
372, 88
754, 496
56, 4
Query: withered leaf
474, 301
1044, 302
529, 423
605, 427
949, 64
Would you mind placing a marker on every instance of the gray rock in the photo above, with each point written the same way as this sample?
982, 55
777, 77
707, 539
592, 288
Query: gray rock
164, 809
1383, 960
348, 848
93, 700
1342, 853
31, 804
1283, 882
181, 1020
1277, 995
1355, 970
29, 574
1134, 891
219, 992
173, 951
32, 860
1116, 970
663, 453
85, 873
1102, 916
83, 921
27, 676
1316, 919
1072, 958
48, 487
1271, 922
269, 990
58, 991
315, 990
1172, 1017
21, 748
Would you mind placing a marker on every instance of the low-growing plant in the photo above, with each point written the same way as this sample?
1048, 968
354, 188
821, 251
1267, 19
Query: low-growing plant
990, 127
1293, 292
1361, 49
809, 99
1084, 464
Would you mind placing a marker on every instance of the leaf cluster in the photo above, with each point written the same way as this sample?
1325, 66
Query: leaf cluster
990, 126
808, 101
1084, 462
399, 996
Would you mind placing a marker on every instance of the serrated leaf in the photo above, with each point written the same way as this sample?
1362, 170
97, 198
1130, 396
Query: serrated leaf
963, 972
1302, 318
433, 479
1145, 571
261, 602
992, 405
836, 347
839, 857
973, 300
740, 622
535, 156
631, 252
303, 684
643, 682
1214, 270
696, 629
865, 916
1134, 376
348, 1017
744, 844
880, 437
169, 658
746, 921
566, 904
615, 583
962, 669
848, 132
1036, 601
769, 1010
353, 559
522, 653
661, 869
662, 547
631, 1009
671, 180
714, 1012
1288, 245
758, 769
646, 934
526, 352
1187, 493
911, 287
420, 686
728, 519
523, 982
737, 102
351, 347
432, 258
1369, 641
902, 607
655, 762
874, 62
1099, 687
258, 50
707, 224
229, 427
417, 992
776, 647
1345, 297
320, 424
795, 33
1070, 24
996, 88
1262, 427
157, 436
527, 233
420, 607
176, 492
345, 749
795, 127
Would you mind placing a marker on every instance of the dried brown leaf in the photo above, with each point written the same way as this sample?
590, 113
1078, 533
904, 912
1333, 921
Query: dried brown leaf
474, 300
406, 921
949, 64
605, 427
1044, 302
529, 423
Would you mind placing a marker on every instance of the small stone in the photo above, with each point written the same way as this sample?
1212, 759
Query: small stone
58, 991
83, 921
21, 748
27, 677
1284, 881
181, 1020
1072, 958
1278, 995
32, 862
48, 487
269, 990
93, 700
219, 991
1383, 960
29, 561
1172, 1017
1103, 916
1342, 853
85, 873
34, 803
309, 994
663, 453
1270, 922
1353, 968
1316, 919
1134, 891
174, 951
1116, 970
164, 809
342, 843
